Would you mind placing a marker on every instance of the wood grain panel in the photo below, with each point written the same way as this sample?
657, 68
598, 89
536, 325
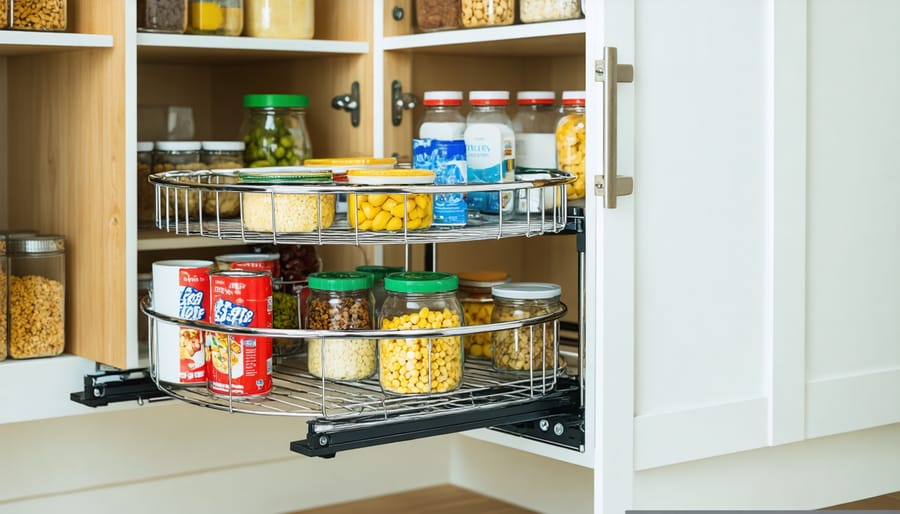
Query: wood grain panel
400, 27
442, 499
343, 20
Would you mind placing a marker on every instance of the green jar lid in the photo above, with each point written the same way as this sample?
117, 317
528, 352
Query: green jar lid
421, 282
286, 101
340, 280
379, 271
283, 175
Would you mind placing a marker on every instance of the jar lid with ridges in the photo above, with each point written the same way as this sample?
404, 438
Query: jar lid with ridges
442, 98
421, 282
573, 97
223, 146
340, 280
483, 278
489, 97
145, 146
527, 291
536, 97
394, 176
178, 146
284, 175
36, 244
275, 101
379, 272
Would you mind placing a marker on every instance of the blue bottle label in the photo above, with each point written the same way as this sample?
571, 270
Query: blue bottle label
447, 158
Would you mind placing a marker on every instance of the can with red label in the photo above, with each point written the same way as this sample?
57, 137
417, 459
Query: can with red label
180, 289
250, 261
240, 365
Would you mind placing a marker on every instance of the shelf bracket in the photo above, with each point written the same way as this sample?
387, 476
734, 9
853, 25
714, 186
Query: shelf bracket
111, 386
349, 103
400, 101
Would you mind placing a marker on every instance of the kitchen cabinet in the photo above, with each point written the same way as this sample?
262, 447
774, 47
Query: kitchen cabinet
740, 305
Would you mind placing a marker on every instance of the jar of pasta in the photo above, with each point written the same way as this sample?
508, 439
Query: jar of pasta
478, 304
417, 365
570, 142
37, 300
390, 212
532, 348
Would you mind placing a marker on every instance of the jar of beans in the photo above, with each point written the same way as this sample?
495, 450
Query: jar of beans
37, 277
531, 348
340, 301
47, 15
434, 15
417, 365
487, 13
478, 304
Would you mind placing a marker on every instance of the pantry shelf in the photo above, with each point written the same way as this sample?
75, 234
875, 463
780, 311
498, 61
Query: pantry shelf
16, 43
195, 48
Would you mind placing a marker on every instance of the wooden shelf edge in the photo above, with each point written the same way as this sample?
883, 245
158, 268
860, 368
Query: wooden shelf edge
152, 239
188, 45
478, 36
14, 43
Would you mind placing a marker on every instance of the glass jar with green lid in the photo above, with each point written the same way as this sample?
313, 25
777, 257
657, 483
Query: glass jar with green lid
340, 301
420, 365
274, 130
379, 272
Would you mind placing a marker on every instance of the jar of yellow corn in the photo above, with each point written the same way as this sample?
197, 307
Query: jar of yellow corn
477, 305
570, 142
391, 212
420, 365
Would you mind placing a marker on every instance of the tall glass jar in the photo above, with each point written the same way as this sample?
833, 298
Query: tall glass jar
570, 139
434, 15
295, 19
490, 150
487, 13
478, 304
535, 128
532, 348
340, 301
4, 295
378, 274
37, 300
441, 148
274, 130
420, 300
219, 155
216, 17
162, 16
146, 192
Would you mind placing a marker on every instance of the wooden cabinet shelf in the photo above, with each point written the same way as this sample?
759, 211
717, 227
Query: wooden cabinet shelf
17, 43
173, 48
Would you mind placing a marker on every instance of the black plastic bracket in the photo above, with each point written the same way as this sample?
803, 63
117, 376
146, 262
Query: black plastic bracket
400, 101
111, 386
349, 103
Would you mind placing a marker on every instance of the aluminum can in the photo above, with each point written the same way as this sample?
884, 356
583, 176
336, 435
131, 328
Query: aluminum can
250, 261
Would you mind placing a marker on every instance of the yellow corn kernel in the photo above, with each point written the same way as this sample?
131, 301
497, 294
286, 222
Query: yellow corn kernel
380, 221
389, 204
395, 224
399, 210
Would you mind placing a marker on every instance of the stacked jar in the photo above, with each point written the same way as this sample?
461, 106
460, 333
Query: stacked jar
340, 301
487, 13
293, 19
478, 305
274, 130
420, 301
548, 10
490, 151
170, 16
535, 127
532, 348
570, 142
434, 15
44, 15
216, 17
36, 281
222, 155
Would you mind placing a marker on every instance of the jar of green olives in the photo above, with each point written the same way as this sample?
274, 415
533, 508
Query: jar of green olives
274, 130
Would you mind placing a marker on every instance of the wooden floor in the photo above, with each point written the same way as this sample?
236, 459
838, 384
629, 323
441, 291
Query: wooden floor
449, 499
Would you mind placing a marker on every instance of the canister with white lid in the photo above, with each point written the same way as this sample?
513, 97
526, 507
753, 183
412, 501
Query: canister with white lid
178, 155
531, 348
441, 148
390, 212
490, 150
37, 300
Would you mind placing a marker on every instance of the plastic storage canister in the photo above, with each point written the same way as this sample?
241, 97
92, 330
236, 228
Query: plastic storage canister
478, 304
531, 347
486, 13
49, 15
146, 191
420, 301
274, 130
219, 155
294, 19
216, 17
162, 16
548, 10
340, 301
490, 150
535, 128
570, 142
434, 15
395, 212
37, 300
378, 274
441, 148
293, 212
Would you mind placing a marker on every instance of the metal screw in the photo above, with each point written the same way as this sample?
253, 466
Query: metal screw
544, 425
397, 13
559, 429
323, 440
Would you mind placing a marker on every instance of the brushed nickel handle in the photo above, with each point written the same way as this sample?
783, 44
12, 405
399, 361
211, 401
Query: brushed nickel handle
611, 73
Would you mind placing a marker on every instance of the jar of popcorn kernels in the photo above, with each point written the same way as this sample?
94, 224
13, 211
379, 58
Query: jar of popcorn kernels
420, 365
478, 304
37, 276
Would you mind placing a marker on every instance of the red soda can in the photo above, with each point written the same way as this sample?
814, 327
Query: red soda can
240, 365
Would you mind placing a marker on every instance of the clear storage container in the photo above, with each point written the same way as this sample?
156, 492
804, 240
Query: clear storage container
535, 128
47, 15
487, 13
420, 300
532, 348
4, 24
4, 295
222, 155
441, 148
37, 299
570, 139
340, 301
339, 167
292, 212
295, 19
548, 10
378, 274
390, 212
434, 15
490, 151
178, 155
162, 16
274, 130
216, 17
478, 304
146, 191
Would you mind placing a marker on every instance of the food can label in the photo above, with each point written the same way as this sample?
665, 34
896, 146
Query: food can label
447, 158
240, 365
490, 158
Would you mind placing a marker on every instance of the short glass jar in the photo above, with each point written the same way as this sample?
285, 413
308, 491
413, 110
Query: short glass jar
570, 141
37, 299
178, 155
396, 212
169, 16
146, 192
44, 15
216, 17
378, 274
548, 10
294, 19
432, 15
340, 301
291, 212
420, 365
274, 130
222, 155
478, 304
531, 348
487, 13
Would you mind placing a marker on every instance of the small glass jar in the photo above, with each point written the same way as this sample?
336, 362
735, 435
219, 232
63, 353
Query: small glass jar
179, 155
397, 212
146, 190
274, 130
144, 288
477, 305
222, 155
291, 212
340, 301
548, 10
570, 139
45, 15
432, 15
37, 299
532, 348
216, 17
487, 13
169, 16
421, 365
294, 19
378, 274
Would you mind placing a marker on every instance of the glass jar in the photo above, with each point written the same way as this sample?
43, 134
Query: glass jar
441, 148
4, 295
291, 212
378, 274
340, 301
162, 16
4, 24
274, 130
570, 141
434, 15
418, 301
295, 19
535, 128
178, 155
548, 10
477, 305
216, 17
222, 155
37, 300
490, 150
146, 190
46, 15
486, 13
397, 212
144, 288
532, 348
339, 167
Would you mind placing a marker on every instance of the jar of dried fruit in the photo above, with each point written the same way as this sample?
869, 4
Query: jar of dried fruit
37, 278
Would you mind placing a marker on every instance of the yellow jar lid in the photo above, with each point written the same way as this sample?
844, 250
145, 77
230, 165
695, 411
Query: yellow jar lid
390, 176
352, 161
483, 278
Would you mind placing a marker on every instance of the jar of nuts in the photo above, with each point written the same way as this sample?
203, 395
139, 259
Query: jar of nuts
420, 301
487, 13
222, 155
340, 301
531, 348
477, 305
37, 15
37, 277
570, 139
